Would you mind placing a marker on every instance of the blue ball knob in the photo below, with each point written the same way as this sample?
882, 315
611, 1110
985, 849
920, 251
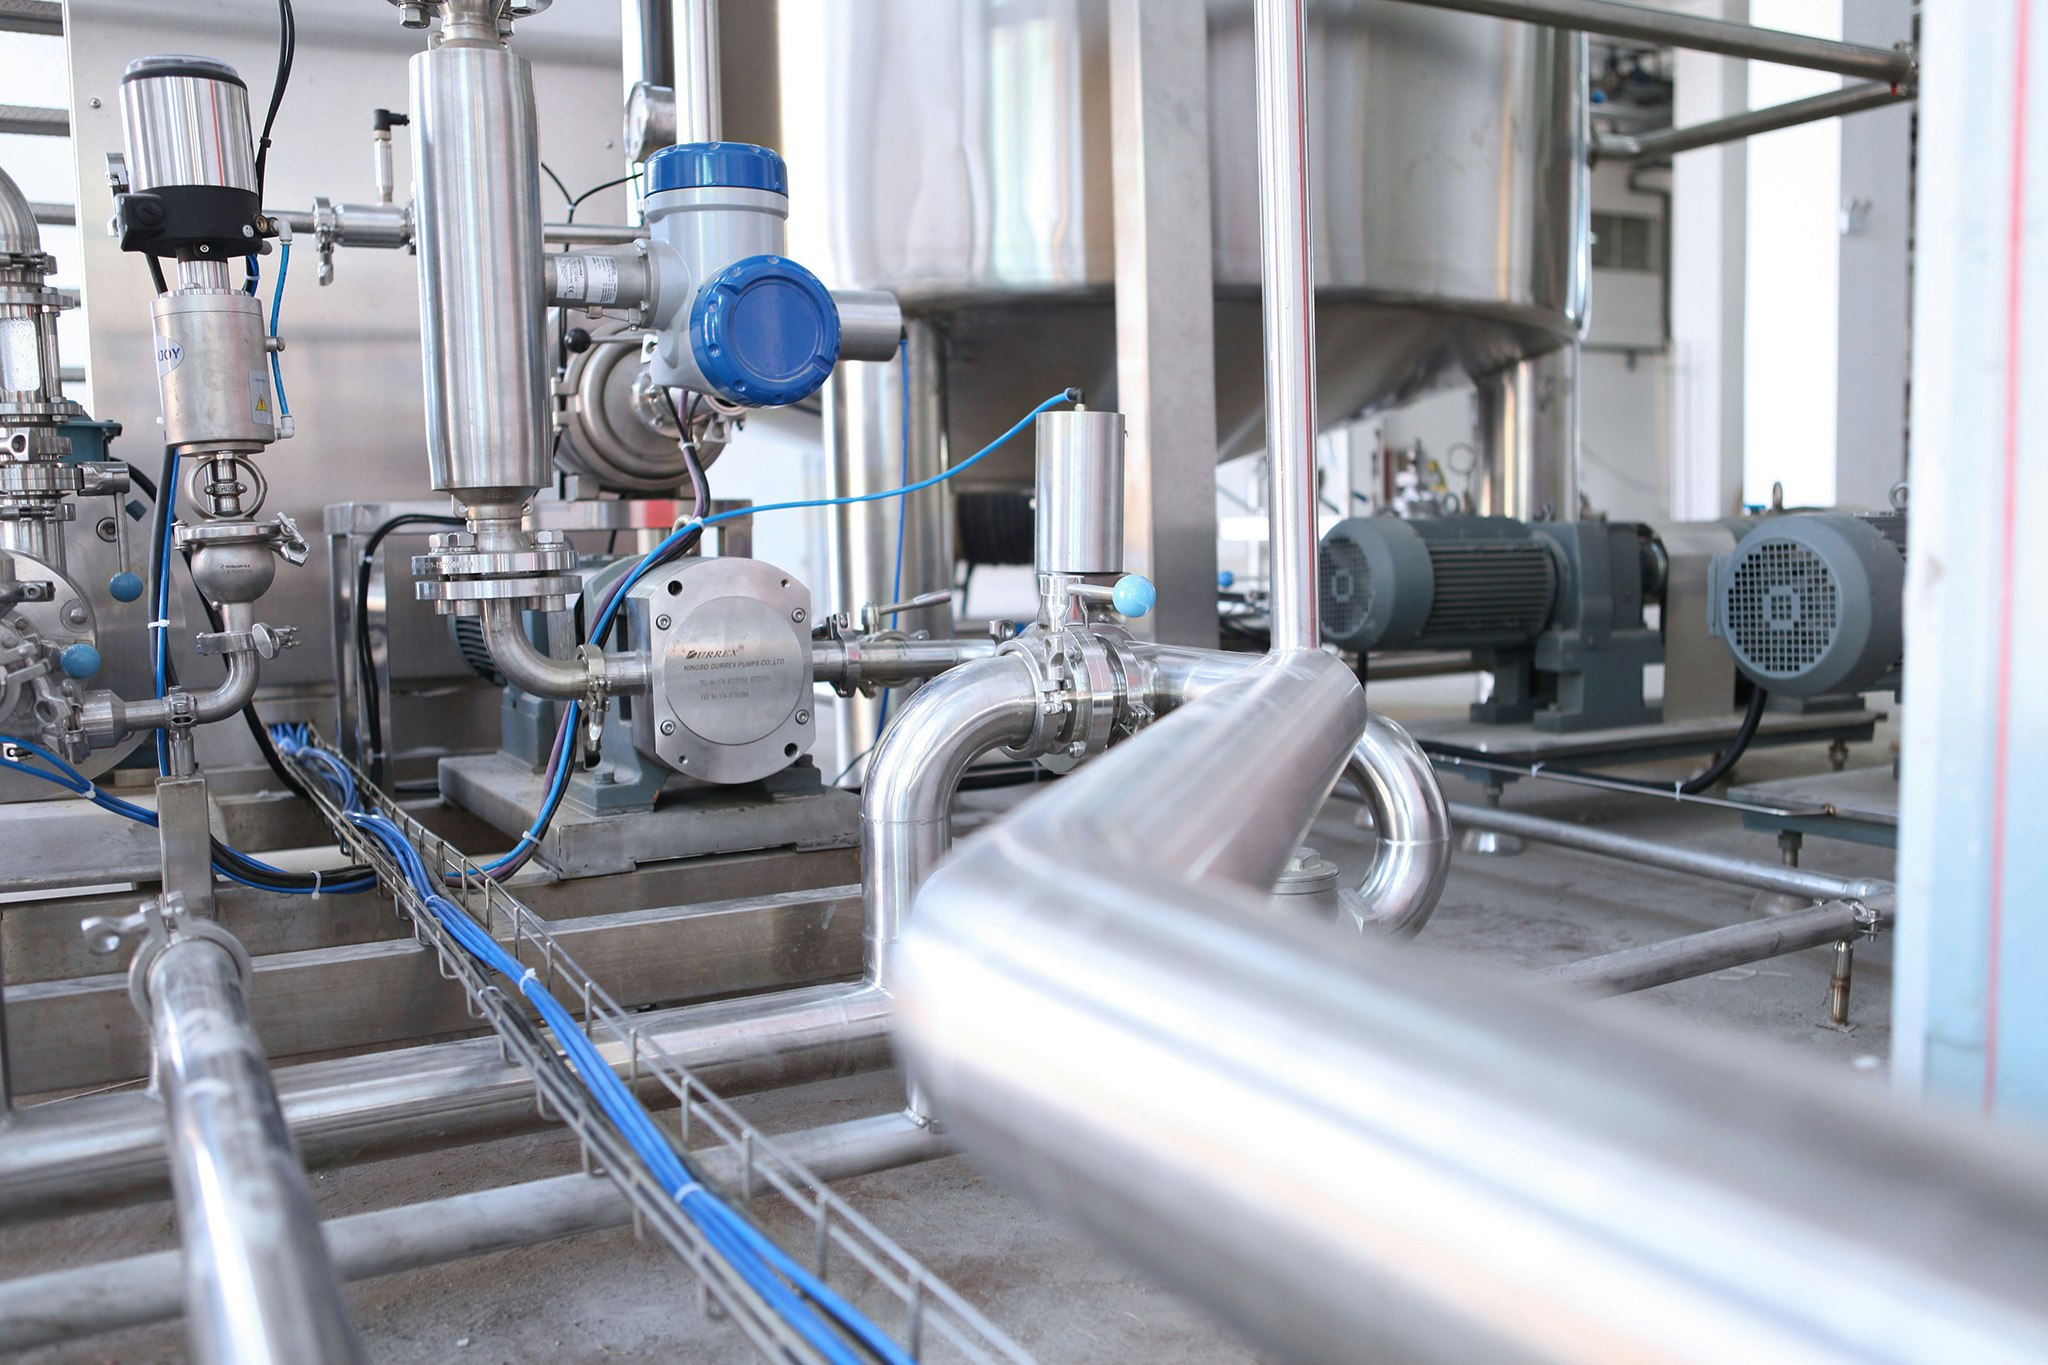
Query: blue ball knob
124, 586
1225, 579
79, 661
1133, 595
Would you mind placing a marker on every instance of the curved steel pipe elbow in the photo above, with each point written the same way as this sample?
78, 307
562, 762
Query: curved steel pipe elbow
916, 769
1413, 857
523, 664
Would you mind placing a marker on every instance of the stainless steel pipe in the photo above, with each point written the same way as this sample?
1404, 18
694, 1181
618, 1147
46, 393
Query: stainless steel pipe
1666, 28
1394, 778
1287, 279
64, 1305
477, 231
906, 803
522, 662
1529, 438
1412, 856
882, 661
1358, 1155
258, 1282
1666, 142
1720, 867
66, 1155
700, 106
1737, 945
864, 447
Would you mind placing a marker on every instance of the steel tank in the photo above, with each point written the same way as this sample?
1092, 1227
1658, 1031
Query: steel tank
958, 153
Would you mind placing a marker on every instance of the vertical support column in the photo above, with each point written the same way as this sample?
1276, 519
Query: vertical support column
865, 451
699, 100
1165, 309
1287, 279
1972, 959
6, 1066
1529, 438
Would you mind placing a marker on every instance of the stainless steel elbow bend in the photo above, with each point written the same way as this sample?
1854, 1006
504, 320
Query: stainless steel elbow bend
1399, 787
916, 769
524, 665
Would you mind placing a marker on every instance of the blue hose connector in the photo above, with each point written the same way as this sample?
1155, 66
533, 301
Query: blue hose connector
124, 586
1133, 595
1225, 579
79, 661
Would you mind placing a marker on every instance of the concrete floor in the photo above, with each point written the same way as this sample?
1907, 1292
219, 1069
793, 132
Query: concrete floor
606, 1297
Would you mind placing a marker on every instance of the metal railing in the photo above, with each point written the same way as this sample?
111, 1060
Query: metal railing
845, 1249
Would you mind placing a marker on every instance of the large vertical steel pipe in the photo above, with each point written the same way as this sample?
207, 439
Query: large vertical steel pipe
1287, 276
1529, 437
259, 1286
700, 102
868, 449
477, 231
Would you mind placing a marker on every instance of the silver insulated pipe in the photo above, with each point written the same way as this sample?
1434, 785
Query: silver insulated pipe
477, 228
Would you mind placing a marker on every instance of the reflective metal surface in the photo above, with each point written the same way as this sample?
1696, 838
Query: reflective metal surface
1080, 507
1288, 303
187, 123
907, 800
259, 1286
1412, 854
99, 1149
1529, 439
477, 229
65, 1304
1451, 1167
1449, 215
867, 449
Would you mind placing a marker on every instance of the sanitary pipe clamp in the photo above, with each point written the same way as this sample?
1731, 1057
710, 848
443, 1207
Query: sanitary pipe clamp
1085, 694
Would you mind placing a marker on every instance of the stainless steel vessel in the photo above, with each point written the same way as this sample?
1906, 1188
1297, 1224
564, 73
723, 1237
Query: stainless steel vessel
959, 154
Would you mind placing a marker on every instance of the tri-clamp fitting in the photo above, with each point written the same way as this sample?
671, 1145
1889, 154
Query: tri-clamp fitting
159, 924
1087, 700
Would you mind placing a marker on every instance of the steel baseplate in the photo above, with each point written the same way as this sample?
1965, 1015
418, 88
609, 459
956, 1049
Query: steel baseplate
693, 823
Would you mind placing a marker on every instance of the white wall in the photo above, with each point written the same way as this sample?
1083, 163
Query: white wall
1877, 199
1792, 281
1709, 208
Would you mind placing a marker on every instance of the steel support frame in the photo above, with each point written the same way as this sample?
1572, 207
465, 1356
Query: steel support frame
64, 1305
1668, 142
1894, 66
1165, 314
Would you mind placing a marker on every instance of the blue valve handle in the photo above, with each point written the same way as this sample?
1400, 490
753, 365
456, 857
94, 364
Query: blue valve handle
79, 661
1133, 595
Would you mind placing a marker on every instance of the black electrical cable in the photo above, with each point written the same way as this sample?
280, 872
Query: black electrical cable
366, 667
156, 273
287, 51
549, 171
222, 854
1723, 764
577, 202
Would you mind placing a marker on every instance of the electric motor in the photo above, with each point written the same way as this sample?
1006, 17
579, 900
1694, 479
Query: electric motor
1446, 583
1813, 602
